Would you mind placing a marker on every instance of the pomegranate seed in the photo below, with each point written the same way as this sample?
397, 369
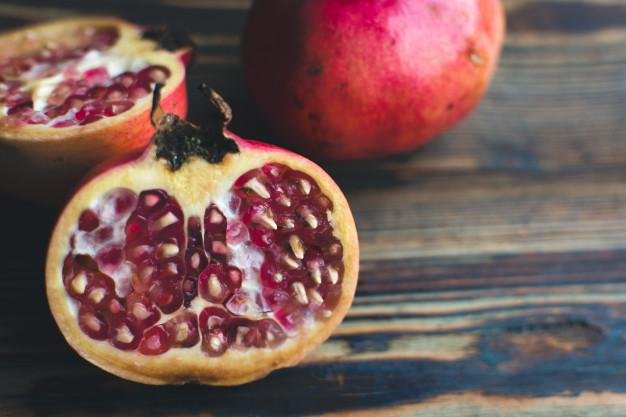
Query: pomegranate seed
88, 221
97, 92
93, 324
103, 234
116, 107
245, 334
154, 74
115, 308
77, 284
183, 330
215, 342
141, 311
263, 238
109, 258
213, 324
88, 110
155, 341
212, 284
236, 233
99, 289
150, 202
104, 38
124, 334
116, 92
91, 118
138, 91
74, 102
20, 107
126, 79
117, 204
211, 318
134, 227
53, 112
271, 332
274, 171
95, 76
142, 281
167, 295
64, 123
215, 226
196, 260
290, 316
241, 304
37, 118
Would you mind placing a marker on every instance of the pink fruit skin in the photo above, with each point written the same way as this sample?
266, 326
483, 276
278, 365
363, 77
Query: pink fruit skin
349, 79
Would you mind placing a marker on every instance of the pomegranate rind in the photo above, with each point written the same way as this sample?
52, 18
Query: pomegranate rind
343, 80
194, 185
45, 162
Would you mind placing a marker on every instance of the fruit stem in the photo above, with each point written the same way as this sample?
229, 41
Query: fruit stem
177, 140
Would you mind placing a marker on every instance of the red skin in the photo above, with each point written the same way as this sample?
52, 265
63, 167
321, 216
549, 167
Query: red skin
349, 79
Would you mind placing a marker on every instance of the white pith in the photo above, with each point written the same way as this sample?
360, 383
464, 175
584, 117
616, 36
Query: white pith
42, 88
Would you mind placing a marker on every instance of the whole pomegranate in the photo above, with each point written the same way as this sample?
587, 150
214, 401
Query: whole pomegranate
209, 258
76, 92
366, 78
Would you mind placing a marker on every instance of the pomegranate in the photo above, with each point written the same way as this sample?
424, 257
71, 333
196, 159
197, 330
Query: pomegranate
76, 92
208, 258
360, 79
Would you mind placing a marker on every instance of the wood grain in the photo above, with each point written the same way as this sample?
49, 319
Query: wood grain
494, 260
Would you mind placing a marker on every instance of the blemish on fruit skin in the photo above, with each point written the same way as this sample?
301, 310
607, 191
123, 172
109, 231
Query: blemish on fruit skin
450, 106
474, 57
315, 123
297, 101
314, 117
315, 70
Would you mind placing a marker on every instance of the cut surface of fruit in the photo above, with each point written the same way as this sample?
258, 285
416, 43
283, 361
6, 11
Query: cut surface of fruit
76, 92
64, 84
232, 268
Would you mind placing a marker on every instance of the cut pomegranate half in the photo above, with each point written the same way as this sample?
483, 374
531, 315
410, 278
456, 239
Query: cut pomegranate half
76, 92
209, 258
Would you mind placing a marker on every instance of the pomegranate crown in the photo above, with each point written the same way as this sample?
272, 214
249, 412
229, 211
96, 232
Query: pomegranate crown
177, 140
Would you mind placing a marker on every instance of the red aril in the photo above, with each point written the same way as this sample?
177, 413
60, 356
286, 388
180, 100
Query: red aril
224, 256
76, 92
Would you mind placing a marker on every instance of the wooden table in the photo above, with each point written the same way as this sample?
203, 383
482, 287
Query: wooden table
493, 261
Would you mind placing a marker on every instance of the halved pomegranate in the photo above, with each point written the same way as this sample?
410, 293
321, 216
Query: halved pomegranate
209, 258
76, 92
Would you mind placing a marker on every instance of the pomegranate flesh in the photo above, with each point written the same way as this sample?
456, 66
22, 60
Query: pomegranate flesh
74, 93
361, 79
226, 257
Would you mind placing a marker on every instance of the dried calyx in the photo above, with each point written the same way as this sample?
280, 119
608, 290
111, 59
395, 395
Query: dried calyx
177, 139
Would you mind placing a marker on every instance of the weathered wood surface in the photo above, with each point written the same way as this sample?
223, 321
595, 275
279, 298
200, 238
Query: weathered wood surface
494, 261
